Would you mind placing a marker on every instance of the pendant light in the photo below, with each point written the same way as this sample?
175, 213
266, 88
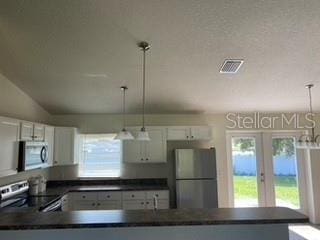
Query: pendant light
143, 135
309, 141
124, 134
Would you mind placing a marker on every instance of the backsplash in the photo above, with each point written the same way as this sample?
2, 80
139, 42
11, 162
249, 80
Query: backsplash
23, 176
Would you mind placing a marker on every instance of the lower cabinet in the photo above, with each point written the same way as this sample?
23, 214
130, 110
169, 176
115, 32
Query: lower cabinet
145, 199
112, 200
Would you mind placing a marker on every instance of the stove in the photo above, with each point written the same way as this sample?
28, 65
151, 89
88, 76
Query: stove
14, 197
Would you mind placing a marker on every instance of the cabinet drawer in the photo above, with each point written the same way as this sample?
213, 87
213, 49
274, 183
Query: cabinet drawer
162, 194
109, 195
133, 204
132, 195
83, 196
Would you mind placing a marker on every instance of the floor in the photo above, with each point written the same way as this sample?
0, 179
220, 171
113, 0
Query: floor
304, 232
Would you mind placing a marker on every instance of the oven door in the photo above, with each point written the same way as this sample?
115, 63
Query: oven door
32, 155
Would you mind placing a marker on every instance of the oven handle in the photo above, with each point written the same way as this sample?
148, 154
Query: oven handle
56, 206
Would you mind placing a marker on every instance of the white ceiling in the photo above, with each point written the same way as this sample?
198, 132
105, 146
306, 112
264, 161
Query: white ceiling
73, 56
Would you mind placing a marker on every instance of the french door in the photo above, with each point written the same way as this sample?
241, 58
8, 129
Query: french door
265, 169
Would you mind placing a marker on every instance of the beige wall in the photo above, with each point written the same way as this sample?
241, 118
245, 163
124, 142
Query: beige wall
16, 104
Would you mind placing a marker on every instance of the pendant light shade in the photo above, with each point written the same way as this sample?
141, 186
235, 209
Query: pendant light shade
124, 134
143, 135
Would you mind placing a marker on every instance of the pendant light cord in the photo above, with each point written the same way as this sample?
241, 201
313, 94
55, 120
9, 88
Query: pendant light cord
143, 88
124, 109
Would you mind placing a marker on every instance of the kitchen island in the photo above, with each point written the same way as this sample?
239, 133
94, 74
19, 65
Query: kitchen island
223, 223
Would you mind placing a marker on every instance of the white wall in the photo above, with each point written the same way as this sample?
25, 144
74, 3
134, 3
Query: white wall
16, 104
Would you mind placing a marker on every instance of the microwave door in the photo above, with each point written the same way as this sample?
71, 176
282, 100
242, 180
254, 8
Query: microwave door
33, 157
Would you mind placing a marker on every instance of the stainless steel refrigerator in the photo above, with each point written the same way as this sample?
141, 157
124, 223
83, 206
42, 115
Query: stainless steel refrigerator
196, 178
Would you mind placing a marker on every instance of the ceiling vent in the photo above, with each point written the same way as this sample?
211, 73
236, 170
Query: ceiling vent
231, 66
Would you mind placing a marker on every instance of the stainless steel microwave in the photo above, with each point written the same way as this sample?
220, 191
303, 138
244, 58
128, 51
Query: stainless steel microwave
32, 155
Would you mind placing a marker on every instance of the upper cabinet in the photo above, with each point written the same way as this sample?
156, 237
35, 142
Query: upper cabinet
153, 151
66, 146
32, 131
49, 138
189, 133
9, 137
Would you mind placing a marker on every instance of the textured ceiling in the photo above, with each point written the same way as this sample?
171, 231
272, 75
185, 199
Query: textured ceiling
72, 56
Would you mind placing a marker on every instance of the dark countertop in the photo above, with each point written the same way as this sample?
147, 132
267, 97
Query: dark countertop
134, 218
61, 190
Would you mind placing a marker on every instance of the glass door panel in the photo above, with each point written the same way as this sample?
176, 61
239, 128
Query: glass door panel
285, 172
245, 180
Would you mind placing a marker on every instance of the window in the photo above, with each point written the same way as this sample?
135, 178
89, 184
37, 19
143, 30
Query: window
101, 156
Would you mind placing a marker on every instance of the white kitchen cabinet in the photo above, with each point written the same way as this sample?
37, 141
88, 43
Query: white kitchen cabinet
178, 133
189, 133
200, 133
49, 138
32, 131
109, 205
26, 131
133, 204
38, 132
66, 146
153, 151
145, 199
9, 137
83, 205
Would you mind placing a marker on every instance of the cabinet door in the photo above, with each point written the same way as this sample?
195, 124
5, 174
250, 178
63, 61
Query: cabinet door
133, 204
83, 205
26, 131
178, 133
9, 135
38, 132
64, 146
49, 138
109, 205
132, 150
200, 133
155, 149
162, 204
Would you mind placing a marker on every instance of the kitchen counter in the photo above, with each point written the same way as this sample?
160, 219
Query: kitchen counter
145, 218
56, 189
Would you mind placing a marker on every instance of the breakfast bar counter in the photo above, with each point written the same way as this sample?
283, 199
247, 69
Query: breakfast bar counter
224, 223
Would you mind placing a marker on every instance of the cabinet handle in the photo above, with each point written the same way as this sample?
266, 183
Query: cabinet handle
187, 136
83, 196
142, 203
98, 204
191, 136
132, 195
157, 195
93, 204
147, 159
141, 159
108, 196
147, 202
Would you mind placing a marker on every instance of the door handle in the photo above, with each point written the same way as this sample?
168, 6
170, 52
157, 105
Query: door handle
262, 178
